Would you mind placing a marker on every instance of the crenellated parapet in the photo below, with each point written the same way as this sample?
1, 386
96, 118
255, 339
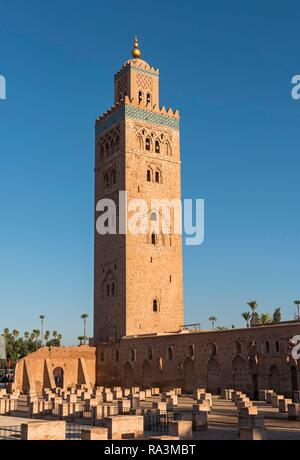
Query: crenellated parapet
127, 108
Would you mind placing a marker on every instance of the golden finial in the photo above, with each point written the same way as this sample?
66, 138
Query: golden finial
136, 52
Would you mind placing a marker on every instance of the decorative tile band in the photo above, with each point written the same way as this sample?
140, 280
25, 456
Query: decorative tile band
136, 69
135, 113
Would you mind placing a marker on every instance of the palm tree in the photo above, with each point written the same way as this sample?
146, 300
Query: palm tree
297, 303
247, 316
213, 319
15, 333
42, 317
81, 339
6, 331
265, 318
254, 316
84, 317
54, 333
46, 336
26, 335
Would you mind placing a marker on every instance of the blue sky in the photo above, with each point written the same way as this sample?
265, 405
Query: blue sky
227, 65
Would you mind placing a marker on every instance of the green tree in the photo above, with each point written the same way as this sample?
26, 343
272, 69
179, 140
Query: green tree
265, 318
277, 315
254, 316
81, 339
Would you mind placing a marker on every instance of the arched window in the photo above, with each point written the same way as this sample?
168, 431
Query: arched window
117, 356
153, 217
132, 355
238, 347
267, 347
213, 349
191, 351
157, 147
113, 177
117, 144
107, 150
155, 306
153, 239
106, 181
168, 149
150, 354
148, 144
148, 98
148, 175
102, 153
108, 290
277, 346
170, 353
113, 290
140, 96
102, 356
112, 147
157, 177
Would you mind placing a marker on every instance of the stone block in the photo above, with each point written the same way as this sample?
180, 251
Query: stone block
200, 420
251, 421
253, 434
124, 427
181, 428
43, 431
275, 400
94, 434
162, 406
283, 405
294, 411
246, 411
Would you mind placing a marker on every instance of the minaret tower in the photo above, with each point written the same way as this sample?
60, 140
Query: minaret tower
138, 278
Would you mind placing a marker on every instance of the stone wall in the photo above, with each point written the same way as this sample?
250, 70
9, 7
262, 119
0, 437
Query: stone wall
47, 368
245, 359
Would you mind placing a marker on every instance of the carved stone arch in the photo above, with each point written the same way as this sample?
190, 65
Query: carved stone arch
274, 379
109, 285
149, 173
140, 96
158, 176
107, 149
112, 146
189, 375
113, 176
58, 374
147, 374
149, 97
140, 141
239, 373
101, 152
155, 305
128, 375
168, 148
213, 376
148, 143
157, 146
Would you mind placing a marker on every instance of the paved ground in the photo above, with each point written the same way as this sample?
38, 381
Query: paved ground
222, 421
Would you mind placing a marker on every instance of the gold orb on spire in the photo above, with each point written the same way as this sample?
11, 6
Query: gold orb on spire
136, 52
